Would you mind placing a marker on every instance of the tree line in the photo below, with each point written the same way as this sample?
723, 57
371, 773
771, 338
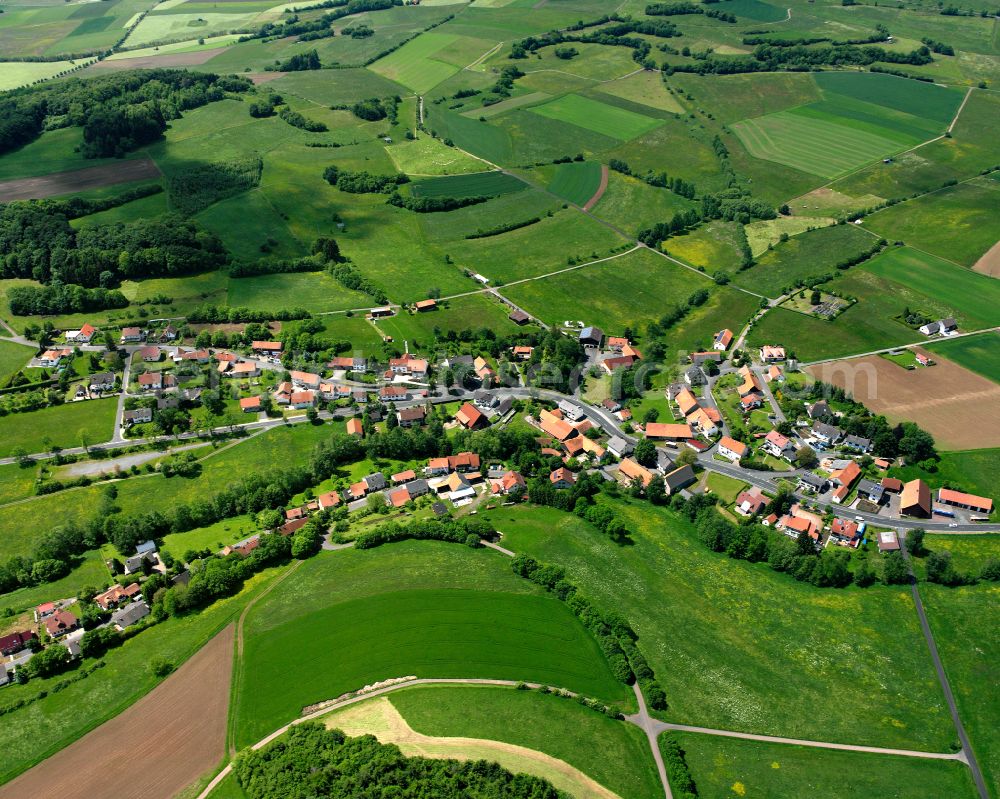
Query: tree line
311, 762
118, 113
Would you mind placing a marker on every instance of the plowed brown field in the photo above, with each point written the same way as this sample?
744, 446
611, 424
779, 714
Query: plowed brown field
951, 403
91, 177
159, 746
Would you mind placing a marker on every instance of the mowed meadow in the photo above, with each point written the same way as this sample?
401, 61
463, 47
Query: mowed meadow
422, 609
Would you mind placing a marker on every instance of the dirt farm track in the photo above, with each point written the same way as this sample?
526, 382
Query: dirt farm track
153, 750
947, 400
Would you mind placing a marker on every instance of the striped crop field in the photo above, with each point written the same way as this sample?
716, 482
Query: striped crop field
811, 143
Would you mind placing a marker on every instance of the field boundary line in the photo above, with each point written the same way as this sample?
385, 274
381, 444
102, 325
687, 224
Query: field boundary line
875, 750
961, 108
902, 347
484, 56
238, 656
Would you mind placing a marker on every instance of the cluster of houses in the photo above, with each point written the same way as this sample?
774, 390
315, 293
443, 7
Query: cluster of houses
845, 532
699, 420
124, 603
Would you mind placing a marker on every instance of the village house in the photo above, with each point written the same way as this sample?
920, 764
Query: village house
942, 326
270, 348
355, 428
422, 306
250, 405
959, 499
101, 382
750, 384
60, 623
329, 499
394, 394
826, 434
591, 336
137, 416
408, 366
915, 499
129, 615
846, 476
522, 352
510, 483
774, 373
694, 376
731, 449
793, 526
150, 354
197, 356
618, 362
51, 358
888, 541
892, 485
678, 479
115, 595
556, 427
81, 336
751, 502
470, 417
846, 532
132, 335
348, 363
169, 333
562, 478
659, 431
871, 491
16, 641
706, 421
819, 410
301, 400
619, 447
611, 405
811, 483
629, 470
698, 358
857, 443
772, 354
778, 445
305, 379
407, 417
722, 340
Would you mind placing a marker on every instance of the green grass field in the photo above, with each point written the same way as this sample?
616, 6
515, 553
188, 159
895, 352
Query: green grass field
885, 286
62, 425
613, 753
413, 64
973, 471
462, 313
13, 357
927, 100
314, 291
624, 292
961, 619
480, 184
972, 296
577, 181
713, 631
599, 117
958, 223
713, 246
815, 141
724, 768
809, 254
632, 204
291, 446
981, 354
433, 610
969, 151
645, 88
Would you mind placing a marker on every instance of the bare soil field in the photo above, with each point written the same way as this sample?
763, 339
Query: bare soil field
989, 263
91, 177
156, 748
948, 401
257, 78
191, 59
